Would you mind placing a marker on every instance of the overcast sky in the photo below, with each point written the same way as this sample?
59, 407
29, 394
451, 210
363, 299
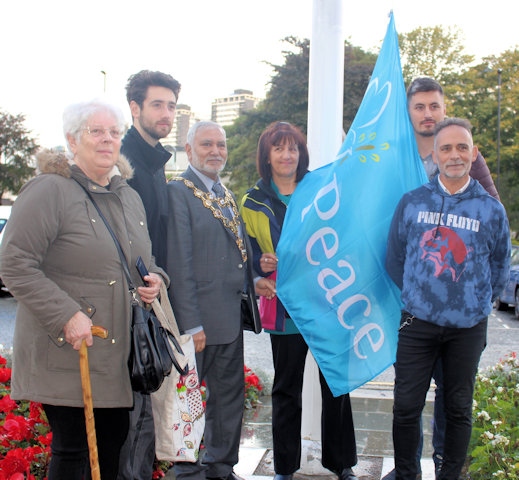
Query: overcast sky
52, 52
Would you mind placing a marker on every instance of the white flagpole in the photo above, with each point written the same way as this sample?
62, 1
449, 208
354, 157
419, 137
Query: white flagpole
326, 82
325, 111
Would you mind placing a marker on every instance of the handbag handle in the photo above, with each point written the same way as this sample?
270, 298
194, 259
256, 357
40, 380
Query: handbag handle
164, 311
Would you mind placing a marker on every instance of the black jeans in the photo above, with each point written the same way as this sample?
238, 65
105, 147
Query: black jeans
138, 452
69, 460
420, 344
339, 448
438, 439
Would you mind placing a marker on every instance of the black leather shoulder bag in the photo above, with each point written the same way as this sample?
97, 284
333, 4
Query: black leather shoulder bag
151, 354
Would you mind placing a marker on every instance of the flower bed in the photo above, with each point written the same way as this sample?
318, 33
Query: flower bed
25, 435
494, 446
253, 387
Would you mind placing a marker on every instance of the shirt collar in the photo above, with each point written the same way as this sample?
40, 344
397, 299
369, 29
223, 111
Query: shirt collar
461, 190
208, 182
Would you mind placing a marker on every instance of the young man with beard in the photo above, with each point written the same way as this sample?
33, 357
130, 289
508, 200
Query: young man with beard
152, 97
426, 107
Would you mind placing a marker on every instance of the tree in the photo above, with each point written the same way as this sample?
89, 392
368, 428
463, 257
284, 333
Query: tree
474, 95
242, 141
471, 92
287, 100
17, 149
433, 52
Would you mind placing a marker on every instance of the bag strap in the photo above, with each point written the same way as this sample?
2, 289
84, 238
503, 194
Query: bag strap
162, 309
122, 256
164, 312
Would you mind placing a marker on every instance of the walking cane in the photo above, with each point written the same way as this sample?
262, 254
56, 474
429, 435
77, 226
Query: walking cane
89, 404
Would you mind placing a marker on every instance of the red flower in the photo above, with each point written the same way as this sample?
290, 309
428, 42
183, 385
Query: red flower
254, 381
36, 412
5, 443
3, 361
14, 463
45, 439
7, 405
25, 435
17, 428
5, 374
252, 387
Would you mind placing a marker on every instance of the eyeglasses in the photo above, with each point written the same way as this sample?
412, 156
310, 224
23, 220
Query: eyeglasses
98, 132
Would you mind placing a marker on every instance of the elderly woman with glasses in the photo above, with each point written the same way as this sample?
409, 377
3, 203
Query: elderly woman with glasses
60, 262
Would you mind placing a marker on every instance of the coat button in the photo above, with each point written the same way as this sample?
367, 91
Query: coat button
89, 310
240, 265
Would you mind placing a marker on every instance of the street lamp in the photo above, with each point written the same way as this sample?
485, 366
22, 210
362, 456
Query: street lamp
104, 81
499, 72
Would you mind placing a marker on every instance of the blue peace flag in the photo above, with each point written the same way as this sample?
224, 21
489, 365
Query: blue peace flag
331, 275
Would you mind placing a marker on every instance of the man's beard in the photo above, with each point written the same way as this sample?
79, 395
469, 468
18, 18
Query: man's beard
426, 133
209, 170
153, 133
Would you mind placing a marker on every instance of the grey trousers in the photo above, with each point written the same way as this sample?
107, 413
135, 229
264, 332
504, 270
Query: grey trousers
221, 366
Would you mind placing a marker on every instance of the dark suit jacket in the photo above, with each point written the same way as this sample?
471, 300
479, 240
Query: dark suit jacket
205, 265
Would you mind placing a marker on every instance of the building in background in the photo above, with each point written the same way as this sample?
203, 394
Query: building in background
175, 142
184, 118
225, 110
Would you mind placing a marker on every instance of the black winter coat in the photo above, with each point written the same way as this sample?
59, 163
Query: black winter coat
149, 180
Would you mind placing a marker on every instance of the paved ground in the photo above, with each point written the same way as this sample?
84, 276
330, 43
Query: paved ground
7, 312
371, 404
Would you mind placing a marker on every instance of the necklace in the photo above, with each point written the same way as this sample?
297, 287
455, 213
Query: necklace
215, 205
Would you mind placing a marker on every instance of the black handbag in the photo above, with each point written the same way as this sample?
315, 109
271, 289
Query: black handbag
250, 316
151, 354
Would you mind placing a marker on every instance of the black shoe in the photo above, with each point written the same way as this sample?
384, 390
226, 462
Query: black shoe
392, 475
347, 474
231, 476
283, 477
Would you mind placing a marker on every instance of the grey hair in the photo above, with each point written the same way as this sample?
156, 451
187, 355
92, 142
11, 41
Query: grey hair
76, 116
204, 124
449, 121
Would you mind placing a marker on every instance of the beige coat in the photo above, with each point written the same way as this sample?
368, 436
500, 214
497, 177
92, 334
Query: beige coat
57, 258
